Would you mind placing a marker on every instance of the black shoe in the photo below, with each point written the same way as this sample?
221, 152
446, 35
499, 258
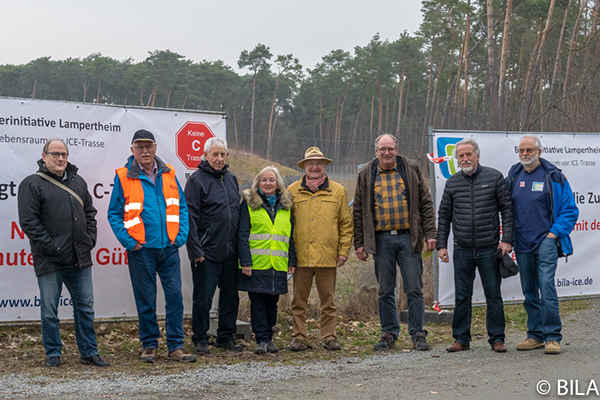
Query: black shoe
202, 348
271, 347
261, 348
420, 342
94, 360
52, 362
229, 345
385, 343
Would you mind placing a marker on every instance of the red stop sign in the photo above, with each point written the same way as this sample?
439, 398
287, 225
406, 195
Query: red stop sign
190, 141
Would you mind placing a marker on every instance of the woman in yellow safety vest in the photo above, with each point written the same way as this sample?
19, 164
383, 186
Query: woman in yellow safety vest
266, 251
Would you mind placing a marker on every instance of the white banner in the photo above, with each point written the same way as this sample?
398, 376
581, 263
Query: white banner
578, 156
99, 140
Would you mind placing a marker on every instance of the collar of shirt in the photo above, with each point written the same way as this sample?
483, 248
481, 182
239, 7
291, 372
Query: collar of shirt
150, 174
380, 170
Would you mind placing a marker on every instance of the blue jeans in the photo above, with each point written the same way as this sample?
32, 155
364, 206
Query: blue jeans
537, 269
466, 260
263, 309
79, 284
144, 265
207, 275
392, 250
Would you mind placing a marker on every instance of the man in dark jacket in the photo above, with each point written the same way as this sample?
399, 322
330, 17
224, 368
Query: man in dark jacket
393, 217
472, 199
213, 199
56, 213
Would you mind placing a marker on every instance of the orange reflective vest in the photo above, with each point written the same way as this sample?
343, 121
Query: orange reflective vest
134, 203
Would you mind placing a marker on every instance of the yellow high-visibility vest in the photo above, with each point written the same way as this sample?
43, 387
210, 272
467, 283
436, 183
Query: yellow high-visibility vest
270, 242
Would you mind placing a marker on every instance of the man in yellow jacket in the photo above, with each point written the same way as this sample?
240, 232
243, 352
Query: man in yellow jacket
323, 230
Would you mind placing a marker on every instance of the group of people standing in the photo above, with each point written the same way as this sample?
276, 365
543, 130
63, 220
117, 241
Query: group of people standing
255, 241
538, 212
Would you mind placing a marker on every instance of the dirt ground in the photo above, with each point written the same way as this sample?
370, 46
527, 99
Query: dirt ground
354, 373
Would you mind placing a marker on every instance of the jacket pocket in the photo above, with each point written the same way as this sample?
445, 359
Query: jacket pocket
63, 253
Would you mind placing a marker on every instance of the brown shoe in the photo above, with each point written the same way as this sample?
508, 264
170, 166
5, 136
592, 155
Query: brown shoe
182, 356
297, 345
457, 346
499, 347
332, 344
149, 355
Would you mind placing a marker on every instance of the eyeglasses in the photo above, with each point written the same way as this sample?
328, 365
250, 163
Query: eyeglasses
386, 149
56, 155
142, 148
528, 151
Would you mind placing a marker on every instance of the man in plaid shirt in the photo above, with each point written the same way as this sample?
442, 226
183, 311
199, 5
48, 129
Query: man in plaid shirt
393, 218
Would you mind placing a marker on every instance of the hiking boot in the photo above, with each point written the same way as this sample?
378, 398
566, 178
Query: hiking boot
149, 355
229, 345
420, 341
529, 344
94, 360
271, 347
181, 356
52, 362
385, 343
332, 345
552, 347
297, 345
202, 348
261, 348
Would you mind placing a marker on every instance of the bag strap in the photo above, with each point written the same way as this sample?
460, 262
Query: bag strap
60, 185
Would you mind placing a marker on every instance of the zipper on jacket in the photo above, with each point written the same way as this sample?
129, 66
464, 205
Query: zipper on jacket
228, 209
472, 181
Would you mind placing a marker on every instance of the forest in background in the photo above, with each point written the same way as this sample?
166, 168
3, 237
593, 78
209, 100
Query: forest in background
516, 65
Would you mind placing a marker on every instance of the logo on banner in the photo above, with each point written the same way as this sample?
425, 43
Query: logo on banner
190, 141
445, 146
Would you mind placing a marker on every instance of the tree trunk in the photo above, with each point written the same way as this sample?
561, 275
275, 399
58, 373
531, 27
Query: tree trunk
493, 85
372, 113
169, 97
321, 121
400, 96
99, 91
466, 88
380, 108
252, 115
528, 97
34, 89
427, 101
504, 62
270, 131
570, 59
553, 83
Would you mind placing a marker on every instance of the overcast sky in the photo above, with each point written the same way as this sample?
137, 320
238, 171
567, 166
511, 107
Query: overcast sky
197, 29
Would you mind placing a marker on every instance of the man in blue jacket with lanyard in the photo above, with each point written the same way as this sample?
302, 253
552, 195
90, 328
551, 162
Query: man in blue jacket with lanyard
148, 214
545, 214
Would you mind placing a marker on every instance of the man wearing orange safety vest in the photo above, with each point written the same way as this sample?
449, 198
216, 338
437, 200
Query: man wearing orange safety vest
148, 214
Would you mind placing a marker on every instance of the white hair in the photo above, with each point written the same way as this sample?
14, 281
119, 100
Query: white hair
538, 142
468, 140
214, 141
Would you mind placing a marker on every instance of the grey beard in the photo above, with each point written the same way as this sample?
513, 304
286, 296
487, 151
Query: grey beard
532, 161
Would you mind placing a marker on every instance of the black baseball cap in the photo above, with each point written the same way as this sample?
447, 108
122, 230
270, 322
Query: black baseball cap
143, 134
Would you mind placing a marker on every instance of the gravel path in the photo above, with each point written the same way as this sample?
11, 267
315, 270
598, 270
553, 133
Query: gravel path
476, 374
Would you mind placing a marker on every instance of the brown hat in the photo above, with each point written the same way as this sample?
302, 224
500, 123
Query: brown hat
313, 153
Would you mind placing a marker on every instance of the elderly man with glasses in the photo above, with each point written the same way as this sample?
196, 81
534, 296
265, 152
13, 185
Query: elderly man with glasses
148, 214
56, 213
393, 218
